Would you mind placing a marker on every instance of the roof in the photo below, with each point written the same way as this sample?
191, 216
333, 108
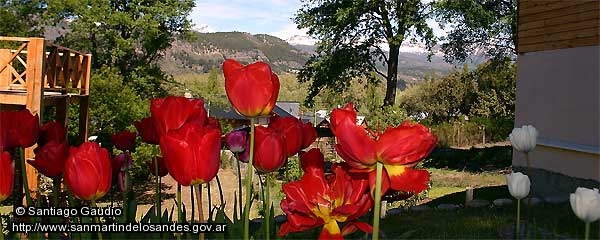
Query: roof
293, 108
229, 112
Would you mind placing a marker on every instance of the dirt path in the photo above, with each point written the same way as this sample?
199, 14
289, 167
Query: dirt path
229, 184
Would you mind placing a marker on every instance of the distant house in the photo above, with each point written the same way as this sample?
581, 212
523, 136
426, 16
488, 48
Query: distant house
558, 85
228, 114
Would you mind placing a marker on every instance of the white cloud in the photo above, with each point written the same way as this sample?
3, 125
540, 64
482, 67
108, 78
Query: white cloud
204, 28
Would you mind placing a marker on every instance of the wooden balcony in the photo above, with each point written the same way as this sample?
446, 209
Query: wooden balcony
39, 75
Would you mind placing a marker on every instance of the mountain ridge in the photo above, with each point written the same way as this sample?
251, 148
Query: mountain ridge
209, 50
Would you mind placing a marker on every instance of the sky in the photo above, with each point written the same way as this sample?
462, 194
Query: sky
254, 16
273, 17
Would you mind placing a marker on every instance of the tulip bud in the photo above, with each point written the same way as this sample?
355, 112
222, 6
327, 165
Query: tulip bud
290, 129
88, 171
123, 181
269, 150
7, 171
252, 89
124, 140
309, 134
524, 139
518, 185
236, 141
586, 204
162, 169
147, 130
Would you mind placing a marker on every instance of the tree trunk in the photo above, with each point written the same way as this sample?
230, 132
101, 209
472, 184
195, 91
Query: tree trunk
392, 76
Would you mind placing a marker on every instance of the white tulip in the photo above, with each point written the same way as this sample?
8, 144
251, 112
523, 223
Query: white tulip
586, 204
518, 185
524, 139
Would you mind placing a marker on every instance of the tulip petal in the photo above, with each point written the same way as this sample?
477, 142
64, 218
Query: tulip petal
353, 226
331, 230
7, 171
356, 144
407, 179
405, 144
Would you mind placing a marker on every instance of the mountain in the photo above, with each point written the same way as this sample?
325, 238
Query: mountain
208, 51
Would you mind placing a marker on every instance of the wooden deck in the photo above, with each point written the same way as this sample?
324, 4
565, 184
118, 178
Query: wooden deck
35, 74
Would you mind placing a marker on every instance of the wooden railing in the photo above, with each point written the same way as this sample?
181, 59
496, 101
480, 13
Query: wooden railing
22, 68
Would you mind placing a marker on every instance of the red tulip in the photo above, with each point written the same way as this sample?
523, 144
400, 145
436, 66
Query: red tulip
88, 171
147, 131
52, 131
192, 153
269, 150
398, 148
162, 169
19, 129
291, 130
251, 89
172, 113
318, 200
309, 135
236, 141
7, 175
50, 158
124, 140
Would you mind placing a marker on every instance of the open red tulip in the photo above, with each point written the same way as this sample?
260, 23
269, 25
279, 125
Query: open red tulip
88, 171
269, 150
291, 130
124, 140
192, 153
147, 131
251, 89
19, 129
172, 113
398, 148
318, 200
7, 175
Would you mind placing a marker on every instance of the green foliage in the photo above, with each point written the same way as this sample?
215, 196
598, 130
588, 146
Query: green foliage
350, 34
129, 36
23, 18
478, 25
466, 107
114, 106
440, 100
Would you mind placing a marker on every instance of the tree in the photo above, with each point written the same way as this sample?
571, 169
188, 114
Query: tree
22, 18
128, 35
353, 37
478, 25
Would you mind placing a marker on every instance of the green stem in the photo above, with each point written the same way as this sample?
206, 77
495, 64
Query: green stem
377, 209
193, 205
97, 219
157, 202
267, 206
239, 174
179, 212
56, 190
587, 231
208, 195
24, 174
518, 232
220, 190
250, 171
